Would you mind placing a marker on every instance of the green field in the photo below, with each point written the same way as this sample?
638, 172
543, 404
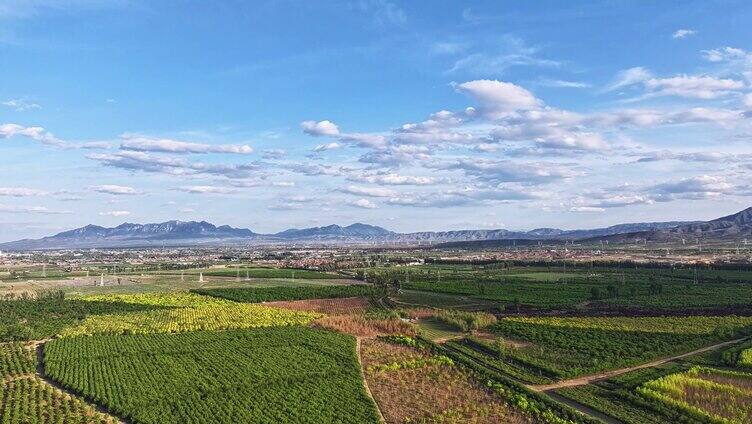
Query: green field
556, 287
271, 375
268, 294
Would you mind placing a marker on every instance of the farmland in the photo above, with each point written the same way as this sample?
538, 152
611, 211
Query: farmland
705, 393
166, 347
556, 287
264, 375
25, 398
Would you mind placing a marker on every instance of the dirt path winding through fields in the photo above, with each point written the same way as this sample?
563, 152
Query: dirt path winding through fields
365, 382
39, 348
581, 381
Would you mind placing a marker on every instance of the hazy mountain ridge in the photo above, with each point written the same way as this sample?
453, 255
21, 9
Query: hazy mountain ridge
182, 233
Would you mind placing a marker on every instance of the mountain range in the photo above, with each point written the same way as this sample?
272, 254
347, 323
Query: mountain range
181, 233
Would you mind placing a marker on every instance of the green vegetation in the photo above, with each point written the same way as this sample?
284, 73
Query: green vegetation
705, 394
569, 286
269, 375
269, 294
568, 347
263, 273
29, 400
465, 321
180, 312
50, 313
17, 359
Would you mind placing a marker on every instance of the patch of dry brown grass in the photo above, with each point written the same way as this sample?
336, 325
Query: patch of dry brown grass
359, 326
344, 306
431, 394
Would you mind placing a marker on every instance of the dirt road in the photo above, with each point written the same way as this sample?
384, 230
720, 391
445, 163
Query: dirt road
581, 381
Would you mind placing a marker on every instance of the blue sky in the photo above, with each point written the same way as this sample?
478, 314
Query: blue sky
416, 115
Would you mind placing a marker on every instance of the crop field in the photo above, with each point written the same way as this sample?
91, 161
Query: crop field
34, 319
269, 375
576, 287
270, 294
180, 312
414, 386
705, 393
568, 347
25, 398
248, 272
337, 306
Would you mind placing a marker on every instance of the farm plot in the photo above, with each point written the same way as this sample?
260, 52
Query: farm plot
180, 312
569, 347
341, 306
24, 398
412, 385
244, 272
266, 375
705, 393
45, 316
269, 294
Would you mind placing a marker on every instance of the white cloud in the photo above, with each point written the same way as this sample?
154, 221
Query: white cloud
31, 209
498, 98
588, 209
147, 144
115, 213
21, 192
363, 204
699, 87
328, 146
205, 189
21, 105
320, 128
629, 77
725, 54
562, 83
115, 189
748, 100
393, 179
683, 33
35, 133
369, 191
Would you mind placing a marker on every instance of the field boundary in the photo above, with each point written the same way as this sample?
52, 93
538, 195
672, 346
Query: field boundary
588, 379
365, 381
39, 347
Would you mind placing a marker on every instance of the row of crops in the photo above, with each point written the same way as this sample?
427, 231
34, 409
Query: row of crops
268, 294
268, 375
559, 348
554, 287
25, 398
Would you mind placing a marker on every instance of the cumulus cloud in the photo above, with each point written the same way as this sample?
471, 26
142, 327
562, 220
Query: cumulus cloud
320, 128
147, 144
699, 187
35, 133
115, 214
499, 98
368, 191
115, 190
363, 204
683, 33
21, 192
